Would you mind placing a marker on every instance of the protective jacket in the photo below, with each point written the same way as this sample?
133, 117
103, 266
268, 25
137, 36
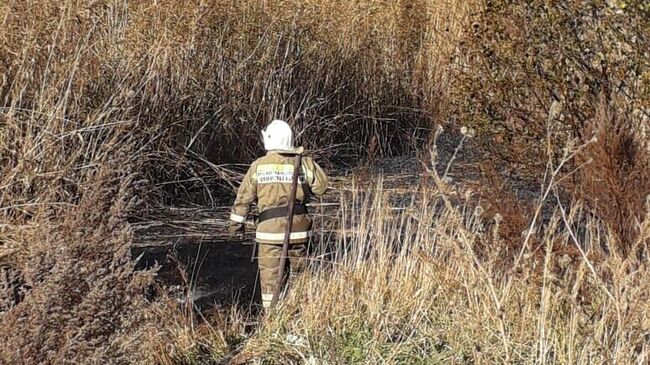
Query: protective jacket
268, 183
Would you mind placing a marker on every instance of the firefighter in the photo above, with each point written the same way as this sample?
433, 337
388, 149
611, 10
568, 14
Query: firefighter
268, 184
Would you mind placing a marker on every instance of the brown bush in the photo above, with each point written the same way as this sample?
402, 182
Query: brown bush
536, 77
513, 214
615, 178
85, 302
536, 69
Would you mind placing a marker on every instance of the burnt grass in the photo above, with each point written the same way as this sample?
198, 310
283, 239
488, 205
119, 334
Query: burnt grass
199, 263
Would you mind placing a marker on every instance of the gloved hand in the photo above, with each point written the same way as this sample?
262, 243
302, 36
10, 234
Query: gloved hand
236, 229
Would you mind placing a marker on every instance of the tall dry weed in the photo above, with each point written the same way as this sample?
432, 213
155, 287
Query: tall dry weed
615, 179
413, 289
535, 75
201, 79
85, 302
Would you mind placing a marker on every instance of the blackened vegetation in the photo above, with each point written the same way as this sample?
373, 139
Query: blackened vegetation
198, 264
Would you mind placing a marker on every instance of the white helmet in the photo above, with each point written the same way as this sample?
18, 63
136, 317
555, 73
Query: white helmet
278, 136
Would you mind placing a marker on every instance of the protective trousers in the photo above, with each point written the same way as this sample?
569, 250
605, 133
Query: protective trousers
269, 264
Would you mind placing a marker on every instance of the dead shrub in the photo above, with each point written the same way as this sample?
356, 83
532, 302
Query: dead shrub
535, 76
86, 303
615, 178
511, 216
534, 70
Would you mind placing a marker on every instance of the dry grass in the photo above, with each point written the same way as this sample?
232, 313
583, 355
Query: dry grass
412, 289
109, 107
437, 281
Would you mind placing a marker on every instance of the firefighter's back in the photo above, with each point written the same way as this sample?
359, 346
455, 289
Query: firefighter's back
273, 174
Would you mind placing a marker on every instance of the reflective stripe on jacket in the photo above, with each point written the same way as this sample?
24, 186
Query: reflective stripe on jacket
268, 183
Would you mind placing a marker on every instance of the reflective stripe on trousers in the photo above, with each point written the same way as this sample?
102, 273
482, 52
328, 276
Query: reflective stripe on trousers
267, 299
279, 237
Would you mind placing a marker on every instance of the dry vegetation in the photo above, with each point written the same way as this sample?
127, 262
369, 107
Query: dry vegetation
110, 107
414, 290
537, 76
